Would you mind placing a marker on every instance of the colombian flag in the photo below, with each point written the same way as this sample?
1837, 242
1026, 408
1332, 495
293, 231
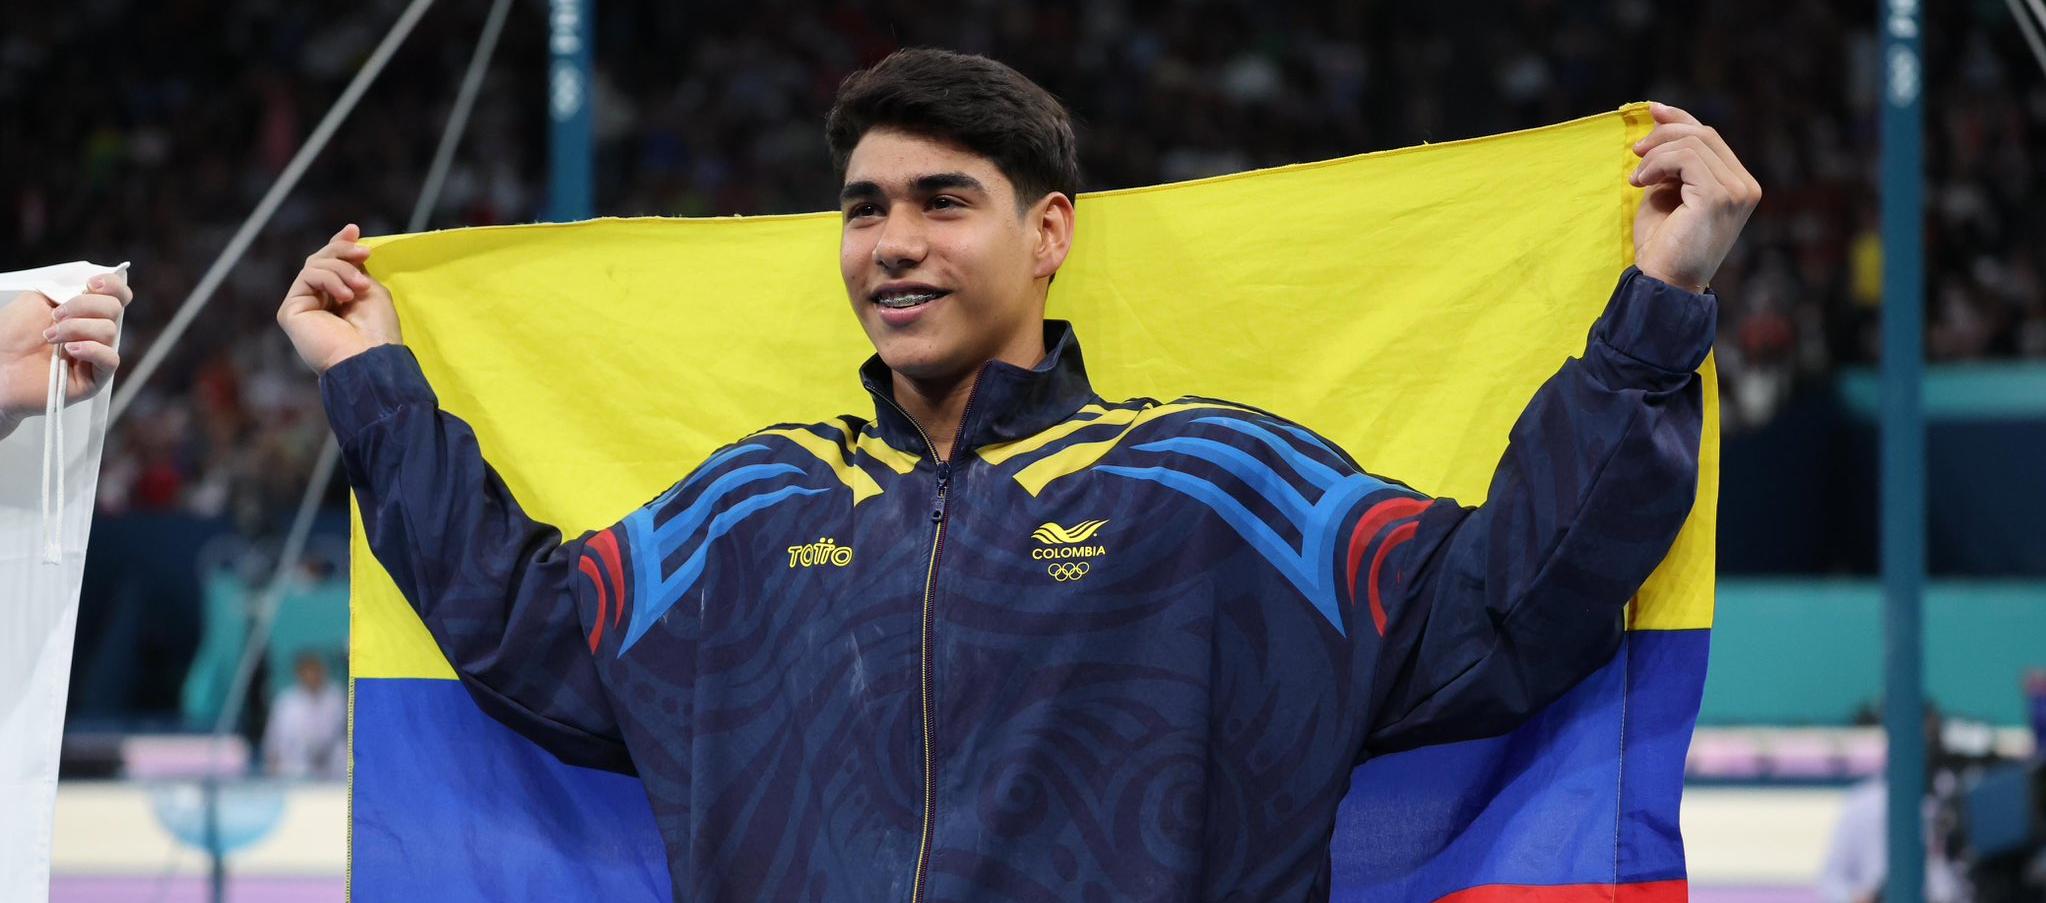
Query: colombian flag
1405, 304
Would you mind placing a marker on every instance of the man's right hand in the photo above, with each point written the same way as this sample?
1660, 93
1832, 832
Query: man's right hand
334, 310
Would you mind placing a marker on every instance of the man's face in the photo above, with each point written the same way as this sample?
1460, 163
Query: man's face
942, 269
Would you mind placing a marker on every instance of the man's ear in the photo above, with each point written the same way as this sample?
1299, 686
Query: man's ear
1051, 223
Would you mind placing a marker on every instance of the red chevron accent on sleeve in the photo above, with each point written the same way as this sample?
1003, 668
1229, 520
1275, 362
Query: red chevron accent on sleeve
589, 569
600, 563
1393, 538
1375, 520
606, 544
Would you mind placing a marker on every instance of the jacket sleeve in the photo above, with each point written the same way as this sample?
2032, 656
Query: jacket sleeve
1490, 613
496, 588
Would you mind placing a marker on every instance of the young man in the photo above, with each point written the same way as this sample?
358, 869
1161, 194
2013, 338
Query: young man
1008, 640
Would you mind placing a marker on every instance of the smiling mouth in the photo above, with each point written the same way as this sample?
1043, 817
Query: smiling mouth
904, 299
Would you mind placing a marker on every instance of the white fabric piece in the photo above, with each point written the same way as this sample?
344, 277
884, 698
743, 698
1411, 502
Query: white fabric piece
38, 599
60, 283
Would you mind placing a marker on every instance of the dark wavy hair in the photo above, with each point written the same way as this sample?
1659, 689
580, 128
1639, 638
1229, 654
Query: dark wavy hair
975, 102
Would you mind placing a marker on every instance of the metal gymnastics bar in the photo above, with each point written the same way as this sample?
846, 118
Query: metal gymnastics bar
288, 558
161, 347
1903, 445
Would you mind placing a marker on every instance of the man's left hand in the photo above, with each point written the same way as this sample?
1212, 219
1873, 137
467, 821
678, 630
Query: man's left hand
1699, 196
83, 329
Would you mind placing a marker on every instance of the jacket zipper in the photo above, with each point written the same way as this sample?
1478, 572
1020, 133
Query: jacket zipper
938, 516
923, 850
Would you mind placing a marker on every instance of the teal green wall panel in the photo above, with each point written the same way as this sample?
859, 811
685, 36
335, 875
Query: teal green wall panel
1969, 391
1801, 652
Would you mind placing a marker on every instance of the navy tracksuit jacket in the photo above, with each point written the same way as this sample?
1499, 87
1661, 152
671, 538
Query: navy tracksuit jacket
1109, 650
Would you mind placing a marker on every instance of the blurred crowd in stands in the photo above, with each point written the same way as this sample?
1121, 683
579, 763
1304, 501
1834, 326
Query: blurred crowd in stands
148, 132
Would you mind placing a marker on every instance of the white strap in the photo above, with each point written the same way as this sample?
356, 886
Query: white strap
53, 462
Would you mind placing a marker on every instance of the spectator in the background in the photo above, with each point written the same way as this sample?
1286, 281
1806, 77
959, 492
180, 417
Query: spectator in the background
706, 108
1857, 863
308, 729
710, 108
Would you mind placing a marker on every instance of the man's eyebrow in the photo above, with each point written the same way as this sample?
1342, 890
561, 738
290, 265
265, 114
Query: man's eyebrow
936, 182
861, 191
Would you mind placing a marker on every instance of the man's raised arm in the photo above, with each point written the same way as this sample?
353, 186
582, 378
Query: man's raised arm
1491, 613
496, 588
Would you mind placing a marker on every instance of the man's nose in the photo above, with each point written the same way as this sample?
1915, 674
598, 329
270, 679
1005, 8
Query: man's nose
902, 243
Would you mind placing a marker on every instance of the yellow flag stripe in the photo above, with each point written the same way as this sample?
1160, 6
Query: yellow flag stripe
1395, 307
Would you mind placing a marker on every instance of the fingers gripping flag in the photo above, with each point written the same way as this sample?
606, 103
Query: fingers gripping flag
1406, 304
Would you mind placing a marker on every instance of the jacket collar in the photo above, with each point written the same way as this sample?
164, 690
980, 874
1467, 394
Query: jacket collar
1008, 402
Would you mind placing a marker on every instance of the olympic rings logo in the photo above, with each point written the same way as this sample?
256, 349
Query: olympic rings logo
1066, 571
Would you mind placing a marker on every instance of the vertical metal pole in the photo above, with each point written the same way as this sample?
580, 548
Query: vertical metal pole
1903, 447
570, 76
216, 858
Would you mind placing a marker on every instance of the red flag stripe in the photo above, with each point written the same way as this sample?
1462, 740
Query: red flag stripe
1676, 891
